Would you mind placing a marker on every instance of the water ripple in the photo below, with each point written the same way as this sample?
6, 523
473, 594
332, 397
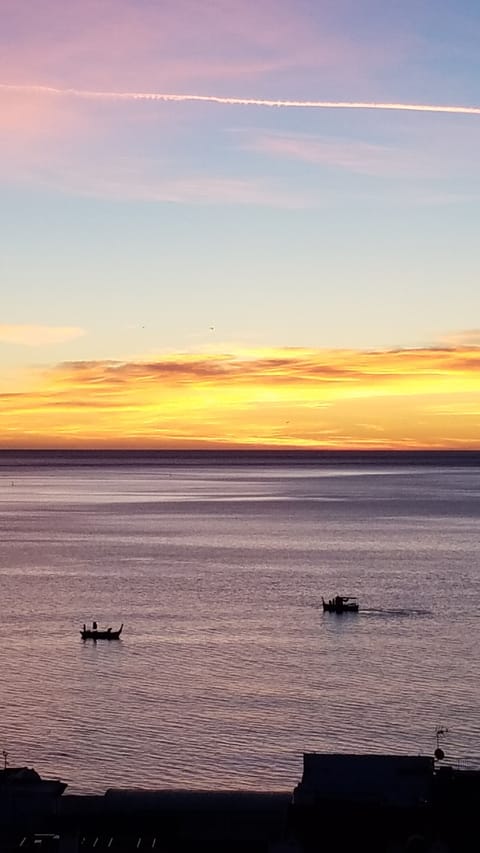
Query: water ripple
228, 669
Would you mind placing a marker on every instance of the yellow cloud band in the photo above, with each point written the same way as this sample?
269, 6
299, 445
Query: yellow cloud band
278, 398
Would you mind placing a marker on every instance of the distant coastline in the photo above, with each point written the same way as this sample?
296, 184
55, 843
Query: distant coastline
238, 457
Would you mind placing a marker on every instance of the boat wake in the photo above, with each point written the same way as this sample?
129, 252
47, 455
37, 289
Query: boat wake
371, 611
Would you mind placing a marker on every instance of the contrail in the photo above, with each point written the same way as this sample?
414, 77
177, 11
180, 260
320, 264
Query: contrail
246, 102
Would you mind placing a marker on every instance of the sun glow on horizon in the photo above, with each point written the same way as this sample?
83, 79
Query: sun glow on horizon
284, 397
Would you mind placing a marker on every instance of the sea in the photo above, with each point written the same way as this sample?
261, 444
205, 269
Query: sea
228, 669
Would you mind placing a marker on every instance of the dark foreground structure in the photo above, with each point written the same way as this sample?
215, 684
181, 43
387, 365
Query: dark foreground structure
343, 802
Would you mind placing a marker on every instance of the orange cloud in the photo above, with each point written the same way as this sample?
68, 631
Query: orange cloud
265, 398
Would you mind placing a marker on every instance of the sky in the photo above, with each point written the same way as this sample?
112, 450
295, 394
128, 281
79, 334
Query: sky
241, 224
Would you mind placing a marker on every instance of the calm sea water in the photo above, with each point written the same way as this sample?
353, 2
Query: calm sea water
228, 669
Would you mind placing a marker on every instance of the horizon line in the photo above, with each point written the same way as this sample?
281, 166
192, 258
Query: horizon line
243, 449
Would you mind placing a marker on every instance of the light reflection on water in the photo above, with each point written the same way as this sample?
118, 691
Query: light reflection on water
228, 669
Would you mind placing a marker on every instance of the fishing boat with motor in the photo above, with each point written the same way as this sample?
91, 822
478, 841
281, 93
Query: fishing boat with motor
340, 604
26, 782
96, 633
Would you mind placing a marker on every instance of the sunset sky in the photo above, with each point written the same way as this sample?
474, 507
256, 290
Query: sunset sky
301, 270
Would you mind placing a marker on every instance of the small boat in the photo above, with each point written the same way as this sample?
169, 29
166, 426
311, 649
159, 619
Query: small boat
95, 633
340, 604
25, 781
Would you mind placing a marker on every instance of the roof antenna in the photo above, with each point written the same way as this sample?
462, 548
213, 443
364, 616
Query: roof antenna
5, 758
439, 753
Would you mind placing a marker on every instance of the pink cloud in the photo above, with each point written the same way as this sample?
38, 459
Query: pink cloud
74, 146
134, 181
34, 129
173, 43
248, 48
416, 157
356, 156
